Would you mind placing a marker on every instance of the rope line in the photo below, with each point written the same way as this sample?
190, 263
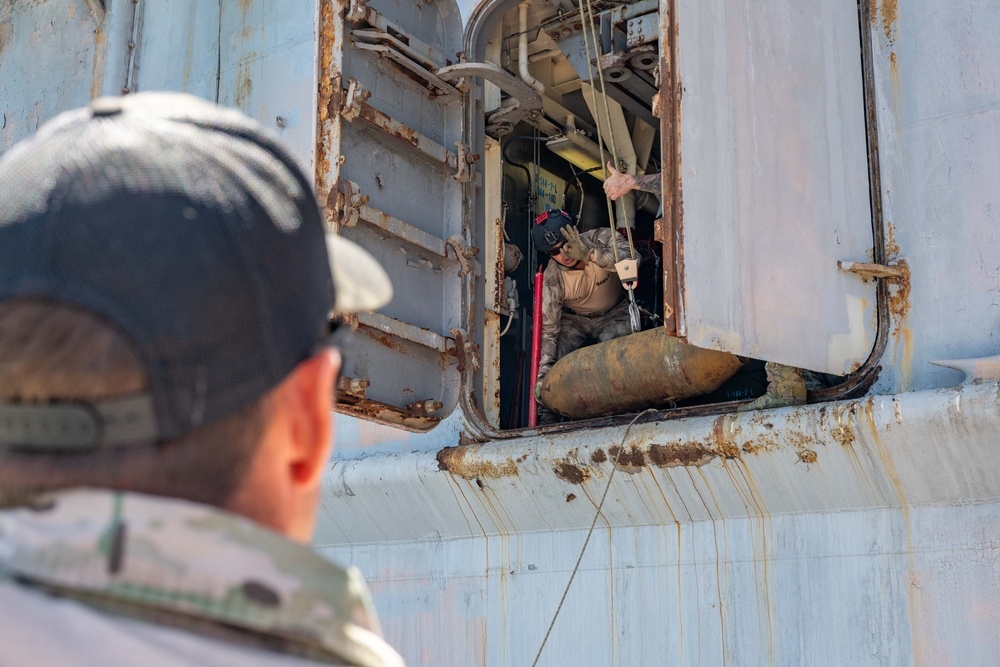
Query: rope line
607, 111
597, 115
600, 506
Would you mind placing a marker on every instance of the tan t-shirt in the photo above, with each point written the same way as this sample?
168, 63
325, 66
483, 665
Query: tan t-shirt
591, 289
579, 289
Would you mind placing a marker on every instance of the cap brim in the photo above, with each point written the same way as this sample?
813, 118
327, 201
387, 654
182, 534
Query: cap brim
361, 284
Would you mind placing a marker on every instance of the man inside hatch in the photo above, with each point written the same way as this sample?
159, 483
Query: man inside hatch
166, 388
582, 296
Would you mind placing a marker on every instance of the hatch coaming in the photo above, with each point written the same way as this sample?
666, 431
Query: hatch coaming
784, 210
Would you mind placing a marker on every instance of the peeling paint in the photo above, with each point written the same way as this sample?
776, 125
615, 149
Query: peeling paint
328, 102
680, 454
456, 461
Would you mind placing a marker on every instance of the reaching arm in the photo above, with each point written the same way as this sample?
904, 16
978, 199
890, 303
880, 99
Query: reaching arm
619, 184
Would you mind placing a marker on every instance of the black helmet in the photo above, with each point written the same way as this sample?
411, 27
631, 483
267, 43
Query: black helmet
545, 232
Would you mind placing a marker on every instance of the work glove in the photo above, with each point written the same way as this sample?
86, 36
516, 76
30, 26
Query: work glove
574, 248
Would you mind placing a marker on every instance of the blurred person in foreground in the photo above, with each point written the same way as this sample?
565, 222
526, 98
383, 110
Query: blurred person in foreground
166, 388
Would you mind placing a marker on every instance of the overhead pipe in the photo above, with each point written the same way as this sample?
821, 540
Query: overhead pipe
543, 55
522, 50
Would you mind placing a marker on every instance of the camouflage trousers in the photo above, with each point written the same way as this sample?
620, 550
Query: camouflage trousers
575, 329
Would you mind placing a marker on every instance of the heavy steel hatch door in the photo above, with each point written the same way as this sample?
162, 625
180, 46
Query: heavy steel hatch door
770, 180
391, 175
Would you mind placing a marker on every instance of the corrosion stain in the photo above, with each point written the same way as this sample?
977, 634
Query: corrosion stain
723, 445
897, 88
844, 435
631, 459
390, 125
328, 103
899, 311
244, 82
676, 454
890, 14
97, 67
799, 440
808, 456
571, 497
764, 442
572, 473
598, 456
899, 303
385, 340
464, 462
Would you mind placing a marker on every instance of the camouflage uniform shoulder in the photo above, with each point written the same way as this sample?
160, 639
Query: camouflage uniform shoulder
195, 567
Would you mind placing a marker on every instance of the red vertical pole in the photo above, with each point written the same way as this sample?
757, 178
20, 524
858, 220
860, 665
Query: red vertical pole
536, 349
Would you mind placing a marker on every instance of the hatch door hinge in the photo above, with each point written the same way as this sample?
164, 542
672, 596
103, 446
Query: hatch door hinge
349, 203
464, 160
466, 255
465, 351
356, 11
354, 99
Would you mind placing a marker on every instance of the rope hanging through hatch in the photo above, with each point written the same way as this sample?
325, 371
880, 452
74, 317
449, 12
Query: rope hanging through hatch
588, 26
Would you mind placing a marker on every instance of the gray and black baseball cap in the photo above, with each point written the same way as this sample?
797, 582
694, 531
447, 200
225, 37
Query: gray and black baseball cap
192, 230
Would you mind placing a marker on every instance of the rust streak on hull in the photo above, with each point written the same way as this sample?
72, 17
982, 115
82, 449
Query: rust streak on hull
329, 102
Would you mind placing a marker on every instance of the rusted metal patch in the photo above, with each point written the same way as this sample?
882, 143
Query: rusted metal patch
457, 461
390, 125
669, 231
808, 456
676, 454
384, 339
573, 473
630, 459
899, 311
369, 409
329, 100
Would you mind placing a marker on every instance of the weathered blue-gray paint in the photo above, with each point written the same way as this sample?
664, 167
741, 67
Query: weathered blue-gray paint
851, 532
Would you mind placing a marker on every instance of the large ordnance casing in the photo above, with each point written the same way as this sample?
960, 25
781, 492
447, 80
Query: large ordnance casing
642, 370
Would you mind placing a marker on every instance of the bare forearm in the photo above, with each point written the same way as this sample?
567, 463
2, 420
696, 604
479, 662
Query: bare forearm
648, 183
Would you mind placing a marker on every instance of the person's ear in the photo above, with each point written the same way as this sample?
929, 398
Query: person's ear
312, 426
